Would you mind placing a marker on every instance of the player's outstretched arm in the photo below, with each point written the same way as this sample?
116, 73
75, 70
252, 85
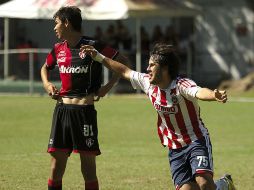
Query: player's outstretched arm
115, 66
209, 95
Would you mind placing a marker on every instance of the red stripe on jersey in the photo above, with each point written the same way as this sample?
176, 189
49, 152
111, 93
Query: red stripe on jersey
163, 98
159, 121
193, 118
172, 132
158, 128
181, 82
181, 125
109, 52
169, 124
155, 91
50, 60
58, 149
186, 83
66, 77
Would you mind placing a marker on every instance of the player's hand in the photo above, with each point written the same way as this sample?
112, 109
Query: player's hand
96, 98
102, 92
52, 90
220, 95
88, 50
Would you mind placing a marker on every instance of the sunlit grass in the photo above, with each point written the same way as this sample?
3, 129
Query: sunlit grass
132, 157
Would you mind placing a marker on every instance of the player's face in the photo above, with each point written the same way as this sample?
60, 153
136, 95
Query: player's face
154, 72
59, 28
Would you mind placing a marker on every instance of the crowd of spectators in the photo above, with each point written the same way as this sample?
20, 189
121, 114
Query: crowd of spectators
118, 36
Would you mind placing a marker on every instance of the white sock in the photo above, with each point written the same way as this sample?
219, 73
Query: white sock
221, 184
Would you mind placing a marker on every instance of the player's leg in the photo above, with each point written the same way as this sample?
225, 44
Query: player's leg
84, 133
202, 163
181, 170
58, 165
88, 169
190, 186
205, 181
59, 146
225, 183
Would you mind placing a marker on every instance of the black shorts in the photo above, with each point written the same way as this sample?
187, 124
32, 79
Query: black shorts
74, 129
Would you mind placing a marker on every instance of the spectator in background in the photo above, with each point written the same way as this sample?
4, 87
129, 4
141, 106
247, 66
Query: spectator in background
22, 67
36, 63
145, 47
171, 37
157, 35
123, 36
98, 33
1, 59
1, 39
111, 37
145, 41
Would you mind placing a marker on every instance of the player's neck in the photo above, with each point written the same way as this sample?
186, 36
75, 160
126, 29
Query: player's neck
73, 39
165, 81
164, 84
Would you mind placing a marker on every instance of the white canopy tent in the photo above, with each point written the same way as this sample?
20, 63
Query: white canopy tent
96, 10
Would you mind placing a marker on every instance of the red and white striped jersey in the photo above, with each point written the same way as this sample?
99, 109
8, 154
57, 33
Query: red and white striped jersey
179, 121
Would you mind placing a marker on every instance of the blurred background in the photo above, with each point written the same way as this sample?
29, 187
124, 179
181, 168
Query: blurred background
215, 38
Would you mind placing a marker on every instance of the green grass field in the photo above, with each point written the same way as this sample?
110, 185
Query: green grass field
132, 157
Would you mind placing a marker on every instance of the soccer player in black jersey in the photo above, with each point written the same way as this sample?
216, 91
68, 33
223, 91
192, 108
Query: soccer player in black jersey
74, 125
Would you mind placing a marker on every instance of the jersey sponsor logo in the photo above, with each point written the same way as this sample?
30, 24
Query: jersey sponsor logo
61, 60
62, 54
79, 69
164, 109
61, 57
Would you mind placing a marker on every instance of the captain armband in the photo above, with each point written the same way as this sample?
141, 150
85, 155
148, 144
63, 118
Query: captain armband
99, 57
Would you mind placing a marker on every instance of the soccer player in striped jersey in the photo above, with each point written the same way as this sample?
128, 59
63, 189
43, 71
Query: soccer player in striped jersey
180, 127
74, 125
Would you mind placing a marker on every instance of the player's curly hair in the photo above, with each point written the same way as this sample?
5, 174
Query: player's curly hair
166, 55
72, 14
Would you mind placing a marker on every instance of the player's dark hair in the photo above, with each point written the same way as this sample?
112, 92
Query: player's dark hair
166, 55
72, 14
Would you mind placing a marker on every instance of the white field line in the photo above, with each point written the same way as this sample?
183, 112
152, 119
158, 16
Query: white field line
241, 99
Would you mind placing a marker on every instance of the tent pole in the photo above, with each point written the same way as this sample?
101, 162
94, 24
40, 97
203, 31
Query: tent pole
138, 47
6, 47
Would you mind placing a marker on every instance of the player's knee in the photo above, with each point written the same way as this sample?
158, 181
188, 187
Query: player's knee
57, 167
89, 175
207, 186
205, 183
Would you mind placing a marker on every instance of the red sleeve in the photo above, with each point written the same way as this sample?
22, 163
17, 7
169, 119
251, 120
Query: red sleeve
109, 52
51, 59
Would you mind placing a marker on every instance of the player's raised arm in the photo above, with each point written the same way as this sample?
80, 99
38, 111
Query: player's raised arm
209, 95
115, 66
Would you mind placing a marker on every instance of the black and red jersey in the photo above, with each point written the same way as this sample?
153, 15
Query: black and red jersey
79, 74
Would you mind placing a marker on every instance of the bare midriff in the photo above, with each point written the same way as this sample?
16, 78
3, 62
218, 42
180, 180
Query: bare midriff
87, 100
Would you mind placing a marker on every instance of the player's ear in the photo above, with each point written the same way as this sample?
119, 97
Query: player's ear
66, 23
